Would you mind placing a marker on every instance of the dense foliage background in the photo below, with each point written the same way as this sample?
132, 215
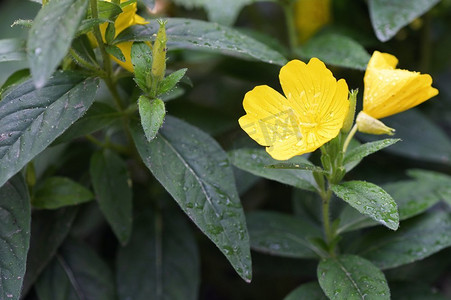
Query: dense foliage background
83, 247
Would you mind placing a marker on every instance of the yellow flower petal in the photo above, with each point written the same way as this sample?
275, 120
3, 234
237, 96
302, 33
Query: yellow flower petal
390, 91
126, 48
311, 114
311, 16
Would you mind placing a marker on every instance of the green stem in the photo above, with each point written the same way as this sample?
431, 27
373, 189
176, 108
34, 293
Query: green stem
349, 138
326, 196
289, 16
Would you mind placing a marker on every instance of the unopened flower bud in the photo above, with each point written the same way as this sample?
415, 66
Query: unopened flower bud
368, 124
347, 124
159, 55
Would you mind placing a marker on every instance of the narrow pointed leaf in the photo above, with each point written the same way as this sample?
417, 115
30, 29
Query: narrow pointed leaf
50, 36
49, 228
152, 113
388, 16
76, 272
171, 80
14, 236
114, 195
282, 235
416, 239
201, 35
307, 291
196, 172
141, 56
298, 166
355, 155
12, 49
58, 192
161, 261
255, 160
351, 277
32, 119
371, 200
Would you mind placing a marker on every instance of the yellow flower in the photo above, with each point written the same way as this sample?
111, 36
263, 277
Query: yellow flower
311, 113
389, 91
311, 16
125, 19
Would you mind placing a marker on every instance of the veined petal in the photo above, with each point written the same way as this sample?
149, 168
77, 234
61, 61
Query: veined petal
269, 119
390, 91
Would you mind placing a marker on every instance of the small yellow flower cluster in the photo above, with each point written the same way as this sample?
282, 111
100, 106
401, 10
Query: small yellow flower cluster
316, 105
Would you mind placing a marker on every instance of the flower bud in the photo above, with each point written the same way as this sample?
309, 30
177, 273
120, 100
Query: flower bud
368, 124
159, 56
347, 124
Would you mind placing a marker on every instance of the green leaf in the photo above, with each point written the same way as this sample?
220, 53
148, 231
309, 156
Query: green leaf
107, 10
32, 119
416, 239
441, 183
196, 172
414, 291
351, 277
14, 79
307, 291
371, 200
51, 35
14, 236
58, 192
76, 272
100, 115
49, 228
110, 181
215, 9
201, 35
255, 160
354, 156
388, 17
12, 49
116, 52
148, 3
171, 80
413, 197
336, 50
161, 260
82, 51
283, 235
296, 166
86, 25
421, 139
152, 113
141, 56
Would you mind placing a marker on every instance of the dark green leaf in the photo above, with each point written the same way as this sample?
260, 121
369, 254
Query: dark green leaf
441, 183
412, 196
76, 272
298, 166
152, 113
355, 155
421, 139
49, 228
282, 235
216, 11
108, 10
196, 172
87, 24
200, 35
416, 239
14, 236
58, 192
100, 115
389, 16
336, 50
414, 291
14, 79
161, 261
351, 277
110, 181
255, 160
51, 35
371, 200
171, 80
307, 291
82, 51
116, 52
32, 119
141, 56
12, 49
